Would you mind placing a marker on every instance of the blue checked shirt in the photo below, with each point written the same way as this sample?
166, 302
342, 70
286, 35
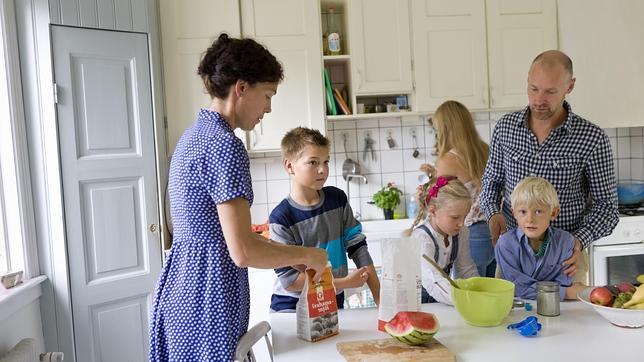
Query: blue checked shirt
576, 158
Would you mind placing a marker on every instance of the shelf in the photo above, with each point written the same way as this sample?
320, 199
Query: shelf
331, 58
375, 115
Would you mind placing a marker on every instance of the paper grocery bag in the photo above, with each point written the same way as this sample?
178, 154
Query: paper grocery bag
400, 281
317, 308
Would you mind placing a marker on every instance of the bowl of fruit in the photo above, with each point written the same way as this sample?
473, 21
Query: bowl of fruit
621, 304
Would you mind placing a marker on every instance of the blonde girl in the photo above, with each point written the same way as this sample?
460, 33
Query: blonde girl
462, 153
439, 227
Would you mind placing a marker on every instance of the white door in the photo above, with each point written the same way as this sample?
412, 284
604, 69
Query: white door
106, 137
450, 55
517, 31
291, 30
380, 46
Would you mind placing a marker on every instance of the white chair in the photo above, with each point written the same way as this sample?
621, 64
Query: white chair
244, 352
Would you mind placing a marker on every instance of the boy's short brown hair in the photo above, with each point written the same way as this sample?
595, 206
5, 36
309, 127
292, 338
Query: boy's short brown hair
295, 140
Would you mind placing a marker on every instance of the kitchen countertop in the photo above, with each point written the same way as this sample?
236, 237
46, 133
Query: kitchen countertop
578, 334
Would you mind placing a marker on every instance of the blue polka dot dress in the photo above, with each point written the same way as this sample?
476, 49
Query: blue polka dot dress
201, 302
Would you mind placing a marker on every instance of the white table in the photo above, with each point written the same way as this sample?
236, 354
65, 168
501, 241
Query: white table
578, 334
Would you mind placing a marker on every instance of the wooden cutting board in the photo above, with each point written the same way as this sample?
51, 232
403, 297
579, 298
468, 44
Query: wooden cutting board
390, 349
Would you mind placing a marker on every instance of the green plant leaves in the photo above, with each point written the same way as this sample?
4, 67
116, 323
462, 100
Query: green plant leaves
388, 197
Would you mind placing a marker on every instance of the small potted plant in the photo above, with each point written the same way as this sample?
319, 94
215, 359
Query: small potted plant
387, 199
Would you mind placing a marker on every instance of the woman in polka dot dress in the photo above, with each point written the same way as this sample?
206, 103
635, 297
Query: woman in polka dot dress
201, 302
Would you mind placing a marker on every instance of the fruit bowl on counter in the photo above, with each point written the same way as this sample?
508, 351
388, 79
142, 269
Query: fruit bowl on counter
629, 318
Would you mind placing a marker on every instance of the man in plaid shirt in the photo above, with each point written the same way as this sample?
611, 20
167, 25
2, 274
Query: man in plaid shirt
547, 139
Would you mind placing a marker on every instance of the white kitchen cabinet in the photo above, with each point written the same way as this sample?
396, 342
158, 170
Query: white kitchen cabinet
604, 41
188, 28
380, 46
517, 31
478, 52
450, 54
291, 30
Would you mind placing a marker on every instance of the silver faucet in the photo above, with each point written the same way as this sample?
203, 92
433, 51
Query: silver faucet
351, 176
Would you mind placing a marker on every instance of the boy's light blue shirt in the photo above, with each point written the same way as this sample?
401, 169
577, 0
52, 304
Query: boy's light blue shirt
517, 262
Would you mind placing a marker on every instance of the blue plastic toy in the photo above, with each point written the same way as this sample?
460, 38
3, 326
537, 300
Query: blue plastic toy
528, 327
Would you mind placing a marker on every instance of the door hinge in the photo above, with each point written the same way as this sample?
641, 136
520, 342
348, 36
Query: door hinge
55, 93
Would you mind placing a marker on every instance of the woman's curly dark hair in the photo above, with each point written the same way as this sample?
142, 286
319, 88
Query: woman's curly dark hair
230, 59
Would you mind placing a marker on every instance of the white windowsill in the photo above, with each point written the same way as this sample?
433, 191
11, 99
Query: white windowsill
16, 298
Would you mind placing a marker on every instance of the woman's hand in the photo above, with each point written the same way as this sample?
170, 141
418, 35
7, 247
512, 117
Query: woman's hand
497, 226
428, 169
317, 259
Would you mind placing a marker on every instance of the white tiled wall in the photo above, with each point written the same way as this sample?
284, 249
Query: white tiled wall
396, 164
628, 151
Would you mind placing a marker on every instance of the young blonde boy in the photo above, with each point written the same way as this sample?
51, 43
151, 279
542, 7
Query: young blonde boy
535, 251
318, 216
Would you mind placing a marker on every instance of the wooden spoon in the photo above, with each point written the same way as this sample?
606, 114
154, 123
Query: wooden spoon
433, 263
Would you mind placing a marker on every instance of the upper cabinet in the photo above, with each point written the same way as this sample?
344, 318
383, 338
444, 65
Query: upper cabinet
380, 46
517, 31
450, 53
291, 30
188, 28
604, 41
478, 52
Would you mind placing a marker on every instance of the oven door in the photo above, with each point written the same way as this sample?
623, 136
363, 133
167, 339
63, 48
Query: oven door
613, 264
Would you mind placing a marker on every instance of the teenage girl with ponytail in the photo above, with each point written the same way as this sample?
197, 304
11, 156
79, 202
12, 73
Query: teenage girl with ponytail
443, 205
462, 153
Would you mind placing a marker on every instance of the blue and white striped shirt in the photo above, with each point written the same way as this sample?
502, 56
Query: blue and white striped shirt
576, 158
329, 225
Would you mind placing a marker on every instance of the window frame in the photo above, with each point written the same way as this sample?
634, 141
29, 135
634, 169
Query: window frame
17, 206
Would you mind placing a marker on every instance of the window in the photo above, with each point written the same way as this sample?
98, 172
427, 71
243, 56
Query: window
17, 230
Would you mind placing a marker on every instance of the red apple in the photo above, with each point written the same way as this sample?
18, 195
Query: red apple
626, 287
601, 296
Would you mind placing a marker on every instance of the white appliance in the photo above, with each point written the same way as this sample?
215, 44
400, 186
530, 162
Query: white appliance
619, 257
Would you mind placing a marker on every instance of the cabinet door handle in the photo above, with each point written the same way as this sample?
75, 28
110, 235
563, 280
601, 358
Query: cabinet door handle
483, 98
491, 96
359, 79
254, 137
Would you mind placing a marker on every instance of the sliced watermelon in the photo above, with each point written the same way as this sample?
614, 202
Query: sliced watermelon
412, 328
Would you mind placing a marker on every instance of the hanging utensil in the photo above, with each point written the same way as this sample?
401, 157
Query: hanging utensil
390, 140
416, 153
368, 147
349, 166
433, 263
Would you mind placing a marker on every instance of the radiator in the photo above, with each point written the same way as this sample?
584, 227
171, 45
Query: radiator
25, 351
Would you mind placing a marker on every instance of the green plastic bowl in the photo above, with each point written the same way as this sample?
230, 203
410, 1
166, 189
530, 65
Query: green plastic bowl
483, 302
